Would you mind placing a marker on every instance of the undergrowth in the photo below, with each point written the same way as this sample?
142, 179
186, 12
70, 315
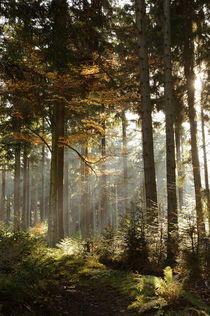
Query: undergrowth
32, 277
25, 270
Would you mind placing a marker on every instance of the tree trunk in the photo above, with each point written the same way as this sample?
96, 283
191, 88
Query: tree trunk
53, 199
25, 212
116, 207
8, 211
59, 9
3, 196
146, 112
17, 188
172, 240
32, 199
125, 162
28, 184
60, 170
103, 199
42, 195
36, 206
86, 215
206, 173
66, 194
180, 173
190, 79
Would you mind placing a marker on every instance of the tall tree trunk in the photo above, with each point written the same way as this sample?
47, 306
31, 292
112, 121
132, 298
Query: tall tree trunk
180, 173
125, 162
206, 173
60, 170
172, 240
8, 210
190, 79
25, 211
36, 205
28, 184
32, 199
116, 206
17, 188
146, 112
103, 199
86, 215
59, 9
53, 199
3, 196
42, 195
66, 194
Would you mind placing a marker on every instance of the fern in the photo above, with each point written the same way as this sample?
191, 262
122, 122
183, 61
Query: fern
169, 288
157, 292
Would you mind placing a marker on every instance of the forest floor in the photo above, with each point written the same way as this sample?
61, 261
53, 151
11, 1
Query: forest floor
38, 281
92, 289
85, 287
88, 288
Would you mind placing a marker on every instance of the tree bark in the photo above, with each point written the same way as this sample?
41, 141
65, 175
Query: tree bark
53, 199
103, 199
172, 240
25, 211
180, 173
59, 52
17, 187
60, 169
42, 195
146, 113
190, 79
66, 194
86, 212
3, 196
125, 162
206, 173
8, 210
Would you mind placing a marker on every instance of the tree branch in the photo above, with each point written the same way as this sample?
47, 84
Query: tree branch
42, 138
87, 163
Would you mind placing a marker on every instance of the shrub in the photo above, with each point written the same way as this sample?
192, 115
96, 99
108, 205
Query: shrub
135, 244
25, 267
71, 246
108, 247
16, 247
40, 229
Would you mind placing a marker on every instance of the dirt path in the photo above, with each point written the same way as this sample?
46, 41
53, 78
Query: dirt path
77, 300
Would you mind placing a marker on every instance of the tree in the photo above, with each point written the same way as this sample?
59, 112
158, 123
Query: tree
146, 115
189, 59
172, 242
59, 11
205, 160
125, 162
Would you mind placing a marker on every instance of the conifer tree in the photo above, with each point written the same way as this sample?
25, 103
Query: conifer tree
146, 115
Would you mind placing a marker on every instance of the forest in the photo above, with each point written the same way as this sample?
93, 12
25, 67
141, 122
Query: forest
104, 157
